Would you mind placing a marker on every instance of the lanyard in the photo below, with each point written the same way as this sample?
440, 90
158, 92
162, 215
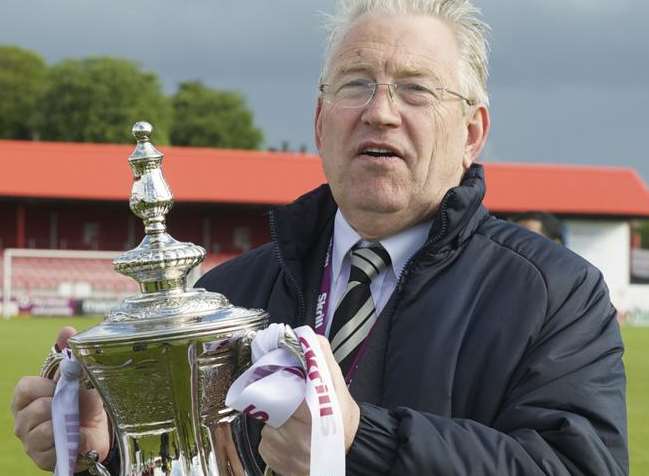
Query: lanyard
322, 306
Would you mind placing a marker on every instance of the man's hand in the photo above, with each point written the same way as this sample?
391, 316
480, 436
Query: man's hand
287, 449
32, 410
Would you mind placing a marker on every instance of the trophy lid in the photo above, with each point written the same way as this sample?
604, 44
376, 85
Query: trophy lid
160, 264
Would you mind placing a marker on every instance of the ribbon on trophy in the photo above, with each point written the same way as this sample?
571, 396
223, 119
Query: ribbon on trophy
65, 415
277, 383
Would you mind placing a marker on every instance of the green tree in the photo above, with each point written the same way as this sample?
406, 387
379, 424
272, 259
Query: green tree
643, 227
22, 79
99, 99
210, 118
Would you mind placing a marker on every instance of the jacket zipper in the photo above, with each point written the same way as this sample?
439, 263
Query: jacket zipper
278, 255
411, 262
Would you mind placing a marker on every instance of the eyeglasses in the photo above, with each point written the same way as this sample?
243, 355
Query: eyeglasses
357, 93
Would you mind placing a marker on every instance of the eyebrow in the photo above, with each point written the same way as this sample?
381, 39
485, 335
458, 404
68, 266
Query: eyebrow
352, 68
418, 72
405, 72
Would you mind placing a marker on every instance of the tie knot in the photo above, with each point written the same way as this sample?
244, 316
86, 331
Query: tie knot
368, 262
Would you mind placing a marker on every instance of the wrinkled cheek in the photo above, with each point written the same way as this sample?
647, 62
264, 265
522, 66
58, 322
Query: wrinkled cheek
334, 171
445, 167
440, 135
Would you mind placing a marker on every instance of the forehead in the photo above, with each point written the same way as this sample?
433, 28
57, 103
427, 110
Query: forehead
397, 44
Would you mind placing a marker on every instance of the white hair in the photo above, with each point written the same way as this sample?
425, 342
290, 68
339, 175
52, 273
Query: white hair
461, 16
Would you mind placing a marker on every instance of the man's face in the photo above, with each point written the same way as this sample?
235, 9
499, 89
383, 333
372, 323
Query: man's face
388, 158
533, 225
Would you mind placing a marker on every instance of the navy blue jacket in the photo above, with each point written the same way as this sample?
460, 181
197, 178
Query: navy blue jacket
498, 353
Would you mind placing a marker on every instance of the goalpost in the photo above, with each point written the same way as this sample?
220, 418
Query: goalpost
51, 274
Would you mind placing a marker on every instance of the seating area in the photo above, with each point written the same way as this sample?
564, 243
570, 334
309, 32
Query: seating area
67, 277
77, 278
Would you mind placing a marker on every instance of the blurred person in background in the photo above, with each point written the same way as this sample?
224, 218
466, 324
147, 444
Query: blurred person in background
476, 348
542, 223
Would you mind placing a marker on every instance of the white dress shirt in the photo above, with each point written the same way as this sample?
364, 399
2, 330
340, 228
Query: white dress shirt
401, 247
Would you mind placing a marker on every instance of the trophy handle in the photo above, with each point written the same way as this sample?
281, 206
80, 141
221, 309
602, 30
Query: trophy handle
288, 341
51, 364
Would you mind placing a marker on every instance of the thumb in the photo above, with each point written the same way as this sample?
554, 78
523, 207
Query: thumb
64, 335
92, 440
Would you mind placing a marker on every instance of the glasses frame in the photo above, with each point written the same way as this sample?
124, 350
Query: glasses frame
392, 88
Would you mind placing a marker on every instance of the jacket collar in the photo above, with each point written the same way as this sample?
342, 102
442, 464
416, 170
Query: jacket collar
297, 227
460, 212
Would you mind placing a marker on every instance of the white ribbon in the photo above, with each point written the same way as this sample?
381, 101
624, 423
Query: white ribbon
65, 415
275, 385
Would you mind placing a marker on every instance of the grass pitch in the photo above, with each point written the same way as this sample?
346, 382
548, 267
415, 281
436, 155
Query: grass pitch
24, 343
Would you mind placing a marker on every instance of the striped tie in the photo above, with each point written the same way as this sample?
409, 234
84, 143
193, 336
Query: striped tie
355, 314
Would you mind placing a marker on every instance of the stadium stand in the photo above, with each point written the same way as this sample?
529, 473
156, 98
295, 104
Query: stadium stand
222, 197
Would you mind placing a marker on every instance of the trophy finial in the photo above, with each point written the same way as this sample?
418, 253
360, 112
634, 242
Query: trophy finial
142, 131
159, 263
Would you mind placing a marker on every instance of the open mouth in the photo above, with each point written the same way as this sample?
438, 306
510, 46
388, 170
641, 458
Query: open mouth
379, 152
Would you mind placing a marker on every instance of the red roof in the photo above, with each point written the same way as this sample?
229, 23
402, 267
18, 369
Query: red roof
563, 189
100, 172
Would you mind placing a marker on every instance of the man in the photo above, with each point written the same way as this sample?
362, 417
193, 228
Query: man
542, 223
480, 348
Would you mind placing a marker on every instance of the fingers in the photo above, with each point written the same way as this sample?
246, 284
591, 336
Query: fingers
32, 416
45, 460
31, 407
38, 441
41, 437
266, 454
95, 431
302, 413
29, 389
91, 407
270, 446
95, 439
62, 339
286, 449
334, 369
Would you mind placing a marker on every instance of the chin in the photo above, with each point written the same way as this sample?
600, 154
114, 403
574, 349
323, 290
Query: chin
377, 203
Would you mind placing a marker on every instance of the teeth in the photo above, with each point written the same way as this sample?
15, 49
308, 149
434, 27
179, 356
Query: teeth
373, 150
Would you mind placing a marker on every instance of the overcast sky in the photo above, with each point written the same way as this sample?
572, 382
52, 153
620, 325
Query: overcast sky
569, 78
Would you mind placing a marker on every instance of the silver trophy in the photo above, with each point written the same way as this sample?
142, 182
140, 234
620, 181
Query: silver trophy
164, 360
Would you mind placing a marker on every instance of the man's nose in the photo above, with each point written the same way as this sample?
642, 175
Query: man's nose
382, 110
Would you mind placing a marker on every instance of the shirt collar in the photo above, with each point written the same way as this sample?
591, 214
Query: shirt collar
400, 247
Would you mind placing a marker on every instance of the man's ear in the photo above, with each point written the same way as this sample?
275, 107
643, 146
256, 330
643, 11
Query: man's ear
477, 126
318, 123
